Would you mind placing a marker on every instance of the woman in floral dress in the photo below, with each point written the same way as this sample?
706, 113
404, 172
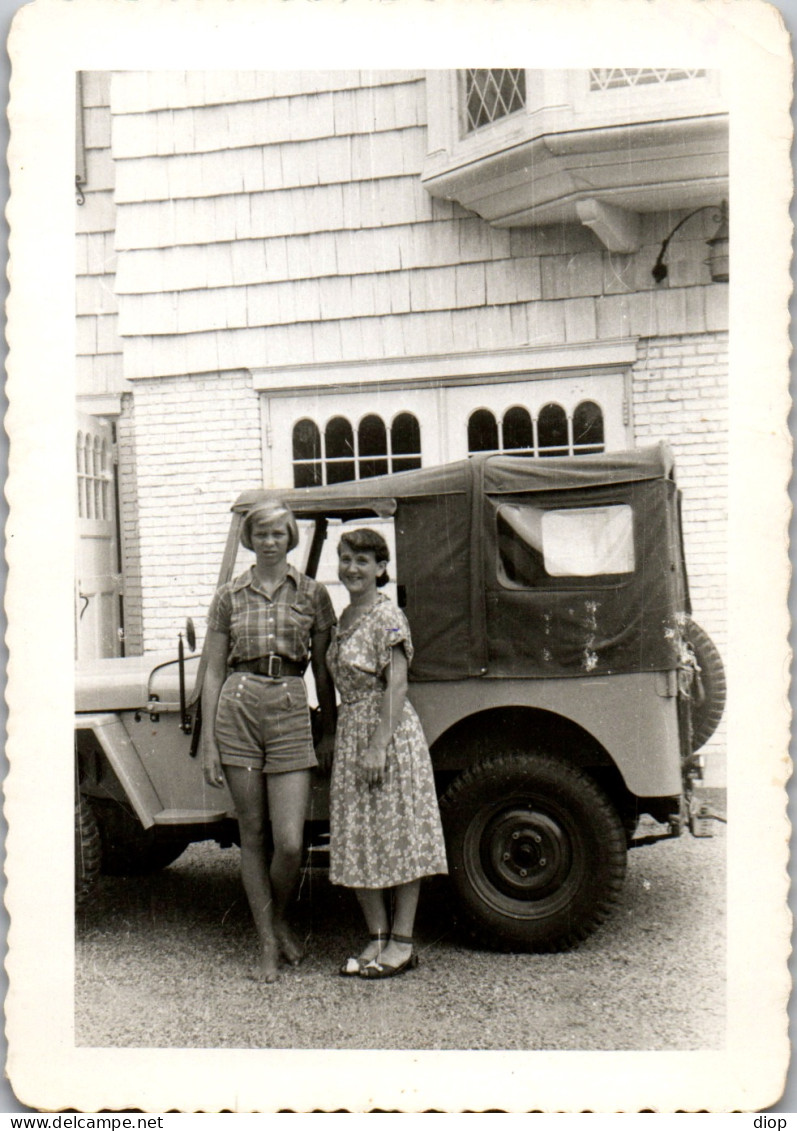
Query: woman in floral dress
385, 823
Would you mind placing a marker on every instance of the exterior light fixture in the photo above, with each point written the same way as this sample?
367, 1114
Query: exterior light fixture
718, 257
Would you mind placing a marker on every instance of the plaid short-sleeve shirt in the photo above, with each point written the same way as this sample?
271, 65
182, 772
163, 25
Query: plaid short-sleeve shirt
258, 625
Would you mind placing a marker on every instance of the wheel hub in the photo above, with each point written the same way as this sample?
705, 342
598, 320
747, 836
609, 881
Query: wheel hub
527, 852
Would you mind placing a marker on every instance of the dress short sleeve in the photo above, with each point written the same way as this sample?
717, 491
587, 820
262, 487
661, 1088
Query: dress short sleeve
393, 629
220, 611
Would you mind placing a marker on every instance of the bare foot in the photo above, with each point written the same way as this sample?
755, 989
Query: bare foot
268, 965
290, 947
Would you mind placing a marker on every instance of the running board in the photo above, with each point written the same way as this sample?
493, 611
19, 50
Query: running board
189, 816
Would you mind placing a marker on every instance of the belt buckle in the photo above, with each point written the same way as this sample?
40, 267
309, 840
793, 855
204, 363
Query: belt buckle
271, 672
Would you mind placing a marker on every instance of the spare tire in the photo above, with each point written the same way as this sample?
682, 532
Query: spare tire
709, 689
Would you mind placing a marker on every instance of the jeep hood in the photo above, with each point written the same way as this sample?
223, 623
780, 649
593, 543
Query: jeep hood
127, 683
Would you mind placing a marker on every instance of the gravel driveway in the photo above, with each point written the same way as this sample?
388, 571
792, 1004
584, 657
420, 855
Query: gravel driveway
163, 961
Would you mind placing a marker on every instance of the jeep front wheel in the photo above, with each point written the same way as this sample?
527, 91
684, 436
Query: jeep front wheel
130, 850
536, 851
88, 852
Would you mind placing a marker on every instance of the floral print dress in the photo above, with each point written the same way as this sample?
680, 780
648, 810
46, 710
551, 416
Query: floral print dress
389, 834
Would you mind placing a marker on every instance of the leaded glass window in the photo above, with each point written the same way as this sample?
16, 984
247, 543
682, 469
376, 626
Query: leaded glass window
490, 95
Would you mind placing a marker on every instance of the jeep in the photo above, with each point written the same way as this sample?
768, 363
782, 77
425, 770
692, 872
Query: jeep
562, 685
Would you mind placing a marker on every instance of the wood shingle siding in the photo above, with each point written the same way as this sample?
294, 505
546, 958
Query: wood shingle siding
324, 254
298, 212
270, 168
324, 118
139, 92
99, 217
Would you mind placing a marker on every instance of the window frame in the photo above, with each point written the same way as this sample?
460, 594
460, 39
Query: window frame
463, 74
537, 451
572, 582
356, 458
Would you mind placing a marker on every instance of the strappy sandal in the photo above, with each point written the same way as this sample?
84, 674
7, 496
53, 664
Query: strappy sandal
353, 966
376, 969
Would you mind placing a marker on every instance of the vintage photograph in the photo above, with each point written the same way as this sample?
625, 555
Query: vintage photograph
467, 329
405, 602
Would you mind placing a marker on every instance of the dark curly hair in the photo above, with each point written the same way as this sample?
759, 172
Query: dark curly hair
365, 540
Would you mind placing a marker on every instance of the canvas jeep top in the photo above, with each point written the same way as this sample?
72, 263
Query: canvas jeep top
562, 685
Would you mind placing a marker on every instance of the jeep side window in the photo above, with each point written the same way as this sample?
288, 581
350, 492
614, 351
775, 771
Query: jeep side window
537, 546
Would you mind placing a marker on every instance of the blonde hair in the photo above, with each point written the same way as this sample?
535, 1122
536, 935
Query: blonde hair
270, 510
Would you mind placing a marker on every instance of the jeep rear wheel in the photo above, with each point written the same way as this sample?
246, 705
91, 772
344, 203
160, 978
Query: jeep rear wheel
536, 852
88, 852
130, 850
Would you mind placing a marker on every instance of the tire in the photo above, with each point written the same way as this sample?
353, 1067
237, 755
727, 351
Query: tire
536, 852
88, 851
130, 850
710, 689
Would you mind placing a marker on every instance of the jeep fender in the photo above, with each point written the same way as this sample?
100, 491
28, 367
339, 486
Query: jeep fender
632, 717
125, 762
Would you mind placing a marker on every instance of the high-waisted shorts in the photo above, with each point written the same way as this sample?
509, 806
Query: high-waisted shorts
264, 724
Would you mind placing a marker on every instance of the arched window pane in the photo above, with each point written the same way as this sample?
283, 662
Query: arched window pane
307, 471
552, 431
306, 440
372, 445
405, 442
405, 435
517, 429
482, 431
588, 427
339, 441
339, 437
372, 436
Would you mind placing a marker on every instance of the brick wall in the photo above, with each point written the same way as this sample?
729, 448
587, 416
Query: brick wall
128, 525
680, 394
197, 447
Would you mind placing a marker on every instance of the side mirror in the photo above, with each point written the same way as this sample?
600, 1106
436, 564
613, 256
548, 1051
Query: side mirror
190, 634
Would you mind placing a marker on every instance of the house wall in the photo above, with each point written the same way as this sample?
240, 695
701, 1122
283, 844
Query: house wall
100, 385
198, 446
265, 221
98, 346
129, 527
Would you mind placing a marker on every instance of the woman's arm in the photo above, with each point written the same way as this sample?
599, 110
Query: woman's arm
319, 643
390, 711
217, 649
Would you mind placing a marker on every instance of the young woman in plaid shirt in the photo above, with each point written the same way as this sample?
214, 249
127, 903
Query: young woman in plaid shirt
262, 628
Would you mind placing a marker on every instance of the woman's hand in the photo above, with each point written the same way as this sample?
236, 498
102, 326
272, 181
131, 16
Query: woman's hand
211, 765
372, 764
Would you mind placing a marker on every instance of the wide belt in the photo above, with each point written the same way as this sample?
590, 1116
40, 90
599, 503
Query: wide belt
273, 666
